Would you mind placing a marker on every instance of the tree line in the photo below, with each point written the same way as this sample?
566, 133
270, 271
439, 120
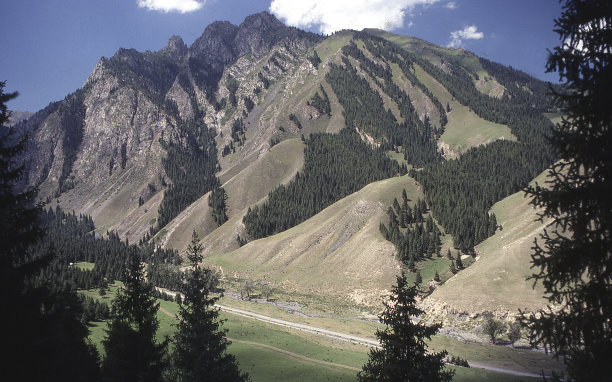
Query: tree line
73, 240
191, 164
335, 165
364, 109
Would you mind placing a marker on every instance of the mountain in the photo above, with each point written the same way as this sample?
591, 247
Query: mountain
18, 116
287, 152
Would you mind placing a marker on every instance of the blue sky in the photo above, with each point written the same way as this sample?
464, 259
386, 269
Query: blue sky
49, 47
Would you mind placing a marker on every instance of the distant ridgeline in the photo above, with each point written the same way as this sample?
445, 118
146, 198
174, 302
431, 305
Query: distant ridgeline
72, 240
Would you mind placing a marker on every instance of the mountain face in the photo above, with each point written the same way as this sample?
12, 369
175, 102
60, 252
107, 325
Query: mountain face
99, 149
18, 116
266, 131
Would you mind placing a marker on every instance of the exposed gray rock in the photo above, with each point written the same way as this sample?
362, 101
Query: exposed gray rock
176, 48
133, 101
18, 116
216, 45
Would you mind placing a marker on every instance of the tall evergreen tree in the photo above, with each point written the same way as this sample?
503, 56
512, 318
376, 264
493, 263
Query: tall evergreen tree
459, 262
200, 346
574, 257
403, 356
43, 336
132, 351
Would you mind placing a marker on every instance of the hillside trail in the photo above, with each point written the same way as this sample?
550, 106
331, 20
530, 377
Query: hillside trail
336, 336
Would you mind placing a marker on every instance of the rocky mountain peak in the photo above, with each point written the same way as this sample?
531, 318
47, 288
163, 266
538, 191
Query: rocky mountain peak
263, 21
217, 41
255, 35
176, 47
258, 33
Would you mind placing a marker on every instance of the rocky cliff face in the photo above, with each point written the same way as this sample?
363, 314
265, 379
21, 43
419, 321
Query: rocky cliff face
98, 151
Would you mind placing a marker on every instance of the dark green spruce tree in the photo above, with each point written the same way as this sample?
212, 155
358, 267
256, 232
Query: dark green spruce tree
132, 351
573, 259
200, 347
403, 355
43, 337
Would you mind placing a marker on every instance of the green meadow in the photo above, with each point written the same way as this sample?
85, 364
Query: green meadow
271, 352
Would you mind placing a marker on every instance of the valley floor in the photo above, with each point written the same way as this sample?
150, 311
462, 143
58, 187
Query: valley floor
273, 344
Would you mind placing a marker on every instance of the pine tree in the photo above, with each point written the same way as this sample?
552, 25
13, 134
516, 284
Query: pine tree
574, 256
200, 352
419, 278
403, 355
459, 262
132, 352
43, 335
492, 225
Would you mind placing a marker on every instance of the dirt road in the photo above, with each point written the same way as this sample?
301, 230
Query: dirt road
302, 327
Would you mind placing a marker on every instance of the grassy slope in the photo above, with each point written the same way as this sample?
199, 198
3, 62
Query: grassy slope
251, 186
497, 281
112, 204
246, 188
279, 165
338, 254
138, 220
485, 83
421, 103
301, 86
464, 128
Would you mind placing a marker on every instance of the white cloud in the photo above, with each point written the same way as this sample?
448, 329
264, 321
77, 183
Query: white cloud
181, 6
333, 15
468, 33
451, 5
